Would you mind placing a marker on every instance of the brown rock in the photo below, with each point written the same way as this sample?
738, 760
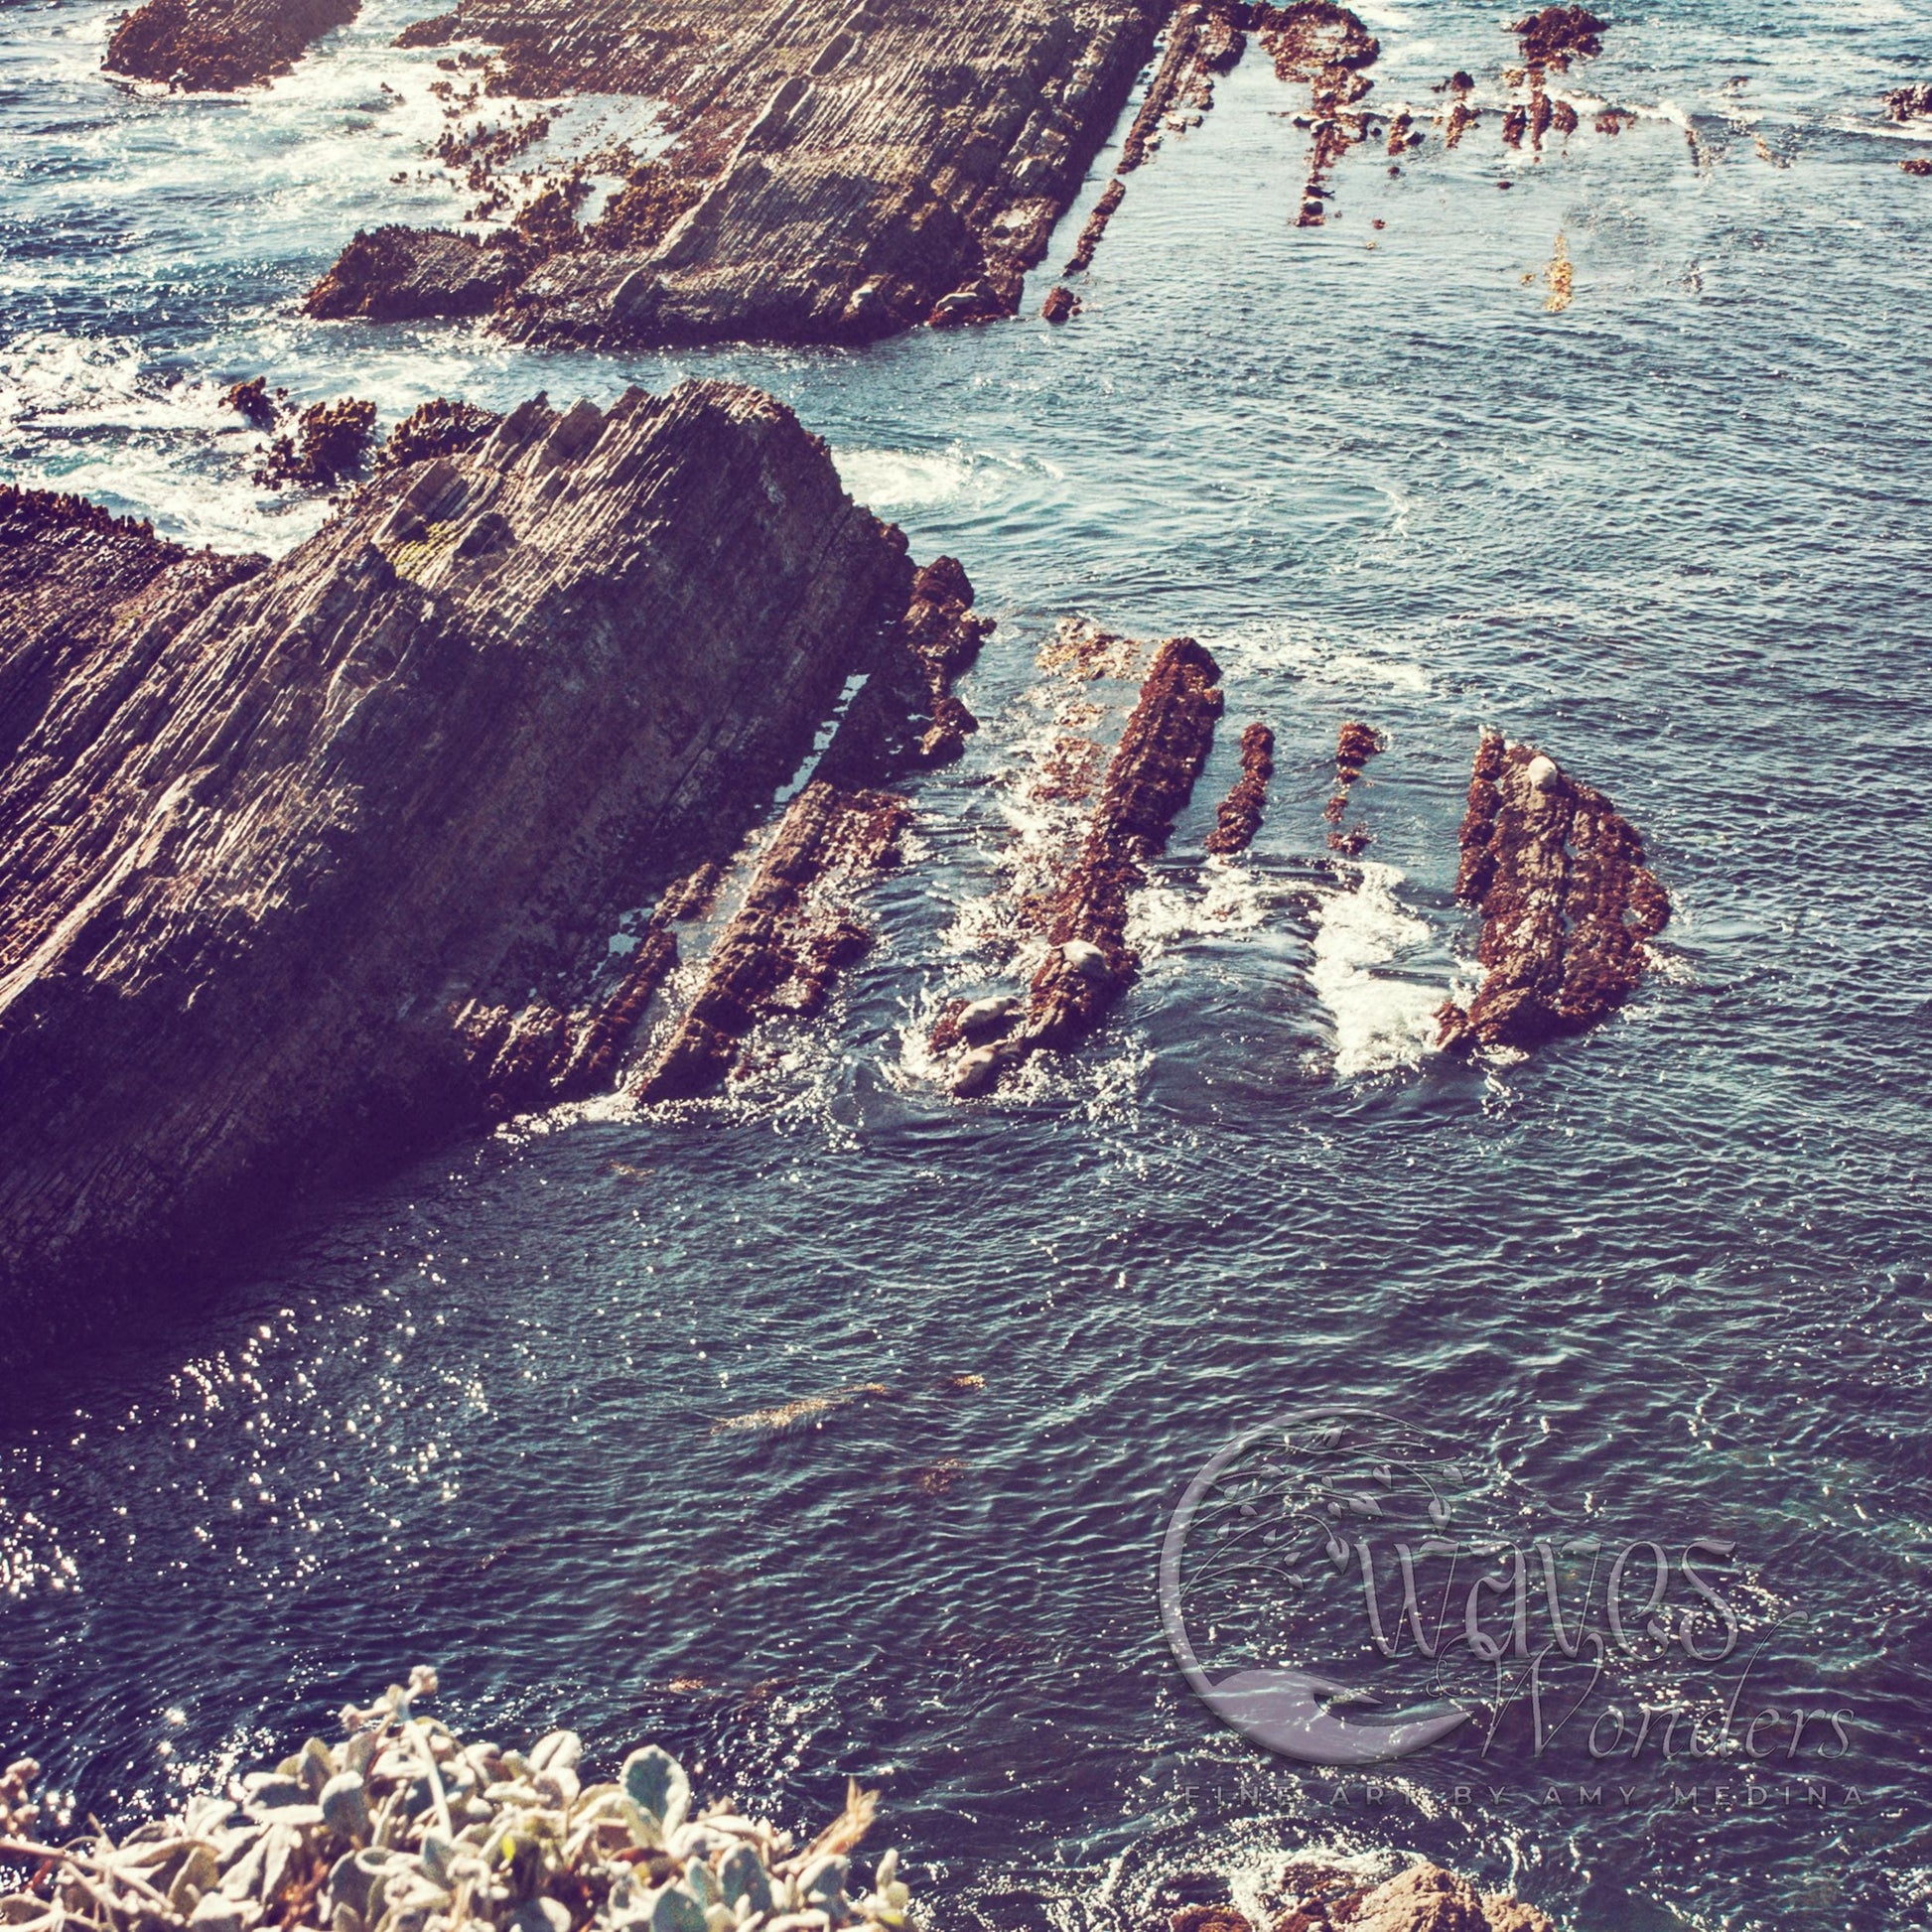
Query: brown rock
1328, 48
838, 172
437, 427
1111, 197
438, 31
1161, 752
398, 274
252, 402
332, 444
1565, 898
1909, 103
1203, 39
1239, 817
1355, 745
1061, 305
1554, 37
1426, 1898
221, 44
303, 864
1209, 1918
795, 929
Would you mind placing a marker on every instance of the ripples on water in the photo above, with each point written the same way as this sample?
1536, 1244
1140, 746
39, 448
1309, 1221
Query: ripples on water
1668, 1280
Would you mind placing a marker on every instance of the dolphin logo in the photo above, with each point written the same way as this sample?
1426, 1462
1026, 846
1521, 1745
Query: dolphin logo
1287, 1711
1291, 1712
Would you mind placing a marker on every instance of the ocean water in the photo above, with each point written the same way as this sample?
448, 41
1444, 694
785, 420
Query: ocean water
1664, 1283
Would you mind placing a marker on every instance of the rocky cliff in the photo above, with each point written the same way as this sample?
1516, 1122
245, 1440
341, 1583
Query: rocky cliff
305, 862
221, 44
838, 172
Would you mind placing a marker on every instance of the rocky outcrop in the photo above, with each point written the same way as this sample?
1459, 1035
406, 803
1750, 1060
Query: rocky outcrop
1203, 40
1151, 776
1355, 745
1239, 817
304, 863
1565, 898
1329, 51
1310, 1897
398, 274
221, 44
838, 172
1089, 965
1424, 1898
797, 927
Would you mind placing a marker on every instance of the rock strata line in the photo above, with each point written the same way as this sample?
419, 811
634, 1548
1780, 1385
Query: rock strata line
1566, 896
1239, 817
1161, 752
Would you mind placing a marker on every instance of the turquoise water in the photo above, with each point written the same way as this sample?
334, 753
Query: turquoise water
1666, 1280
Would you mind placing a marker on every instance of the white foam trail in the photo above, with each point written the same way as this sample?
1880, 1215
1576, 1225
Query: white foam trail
893, 481
1382, 1022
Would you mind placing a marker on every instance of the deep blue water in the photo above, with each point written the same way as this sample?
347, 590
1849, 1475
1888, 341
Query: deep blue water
1668, 1281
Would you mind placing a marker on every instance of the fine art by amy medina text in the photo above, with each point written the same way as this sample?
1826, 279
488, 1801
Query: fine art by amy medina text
956, 966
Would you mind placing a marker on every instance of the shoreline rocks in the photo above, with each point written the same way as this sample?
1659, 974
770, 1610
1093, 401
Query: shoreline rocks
1423, 1898
1151, 777
306, 864
794, 931
221, 46
1239, 817
836, 173
1565, 898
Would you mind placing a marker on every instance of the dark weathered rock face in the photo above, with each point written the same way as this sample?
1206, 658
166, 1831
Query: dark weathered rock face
839, 172
304, 862
1565, 898
398, 274
221, 44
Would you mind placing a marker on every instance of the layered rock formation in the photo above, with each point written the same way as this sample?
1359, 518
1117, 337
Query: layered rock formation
1565, 898
1355, 745
305, 862
795, 927
839, 172
221, 44
1089, 965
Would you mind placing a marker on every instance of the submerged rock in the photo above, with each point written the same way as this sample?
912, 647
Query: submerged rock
221, 44
303, 863
1565, 898
837, 172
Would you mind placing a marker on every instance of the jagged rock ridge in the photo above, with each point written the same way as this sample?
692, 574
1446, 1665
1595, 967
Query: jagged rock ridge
305, 862
838, 173
1566, 901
